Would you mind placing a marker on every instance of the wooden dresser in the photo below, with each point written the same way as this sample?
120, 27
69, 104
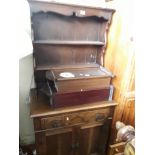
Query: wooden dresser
72, 107
78, 130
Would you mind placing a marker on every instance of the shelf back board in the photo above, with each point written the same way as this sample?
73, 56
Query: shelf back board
68, 34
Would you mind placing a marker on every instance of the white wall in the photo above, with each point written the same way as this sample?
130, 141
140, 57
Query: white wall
25, 123
26, 68
26, 131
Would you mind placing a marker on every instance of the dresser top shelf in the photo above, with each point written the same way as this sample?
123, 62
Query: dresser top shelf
68, 42
40, 107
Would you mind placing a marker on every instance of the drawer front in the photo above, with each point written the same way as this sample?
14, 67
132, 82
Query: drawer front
76, 118
52, 122
80, 97
117, 149
99, 115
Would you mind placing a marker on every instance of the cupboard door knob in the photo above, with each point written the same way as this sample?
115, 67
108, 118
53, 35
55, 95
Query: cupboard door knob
75, 146
67, 118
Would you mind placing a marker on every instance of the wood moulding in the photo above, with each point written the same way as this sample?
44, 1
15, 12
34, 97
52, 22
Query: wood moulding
68, 42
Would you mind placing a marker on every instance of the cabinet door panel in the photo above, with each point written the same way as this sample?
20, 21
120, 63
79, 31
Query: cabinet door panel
40, 139
59, 143
93, 140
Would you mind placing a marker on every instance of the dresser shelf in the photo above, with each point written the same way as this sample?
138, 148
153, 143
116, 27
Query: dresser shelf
48, 67
68, 42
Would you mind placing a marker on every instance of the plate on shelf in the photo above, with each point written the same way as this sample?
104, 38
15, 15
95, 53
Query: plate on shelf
67, 75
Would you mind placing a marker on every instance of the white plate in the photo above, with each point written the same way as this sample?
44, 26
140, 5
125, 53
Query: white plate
67, 74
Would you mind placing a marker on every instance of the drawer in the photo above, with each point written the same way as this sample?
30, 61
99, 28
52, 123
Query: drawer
67, 120
99, 115
52, 122
76, 118
117, 149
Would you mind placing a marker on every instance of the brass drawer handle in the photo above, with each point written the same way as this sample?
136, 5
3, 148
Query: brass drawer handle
109, 118
56, 124
100, 117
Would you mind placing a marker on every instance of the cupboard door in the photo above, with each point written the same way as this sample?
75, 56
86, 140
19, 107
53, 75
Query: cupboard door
93, 139
59, 142
55, 142
40, 141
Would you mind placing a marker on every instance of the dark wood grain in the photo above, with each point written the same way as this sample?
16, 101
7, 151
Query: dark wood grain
40, 107
83, 79
45, 67
44, 22
74, 119
54, 55
68, 36
59, 143
77, 130
79, 98
84, 31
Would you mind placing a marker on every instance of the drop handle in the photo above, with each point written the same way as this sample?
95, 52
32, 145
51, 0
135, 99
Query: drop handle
100, 118
56, 124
